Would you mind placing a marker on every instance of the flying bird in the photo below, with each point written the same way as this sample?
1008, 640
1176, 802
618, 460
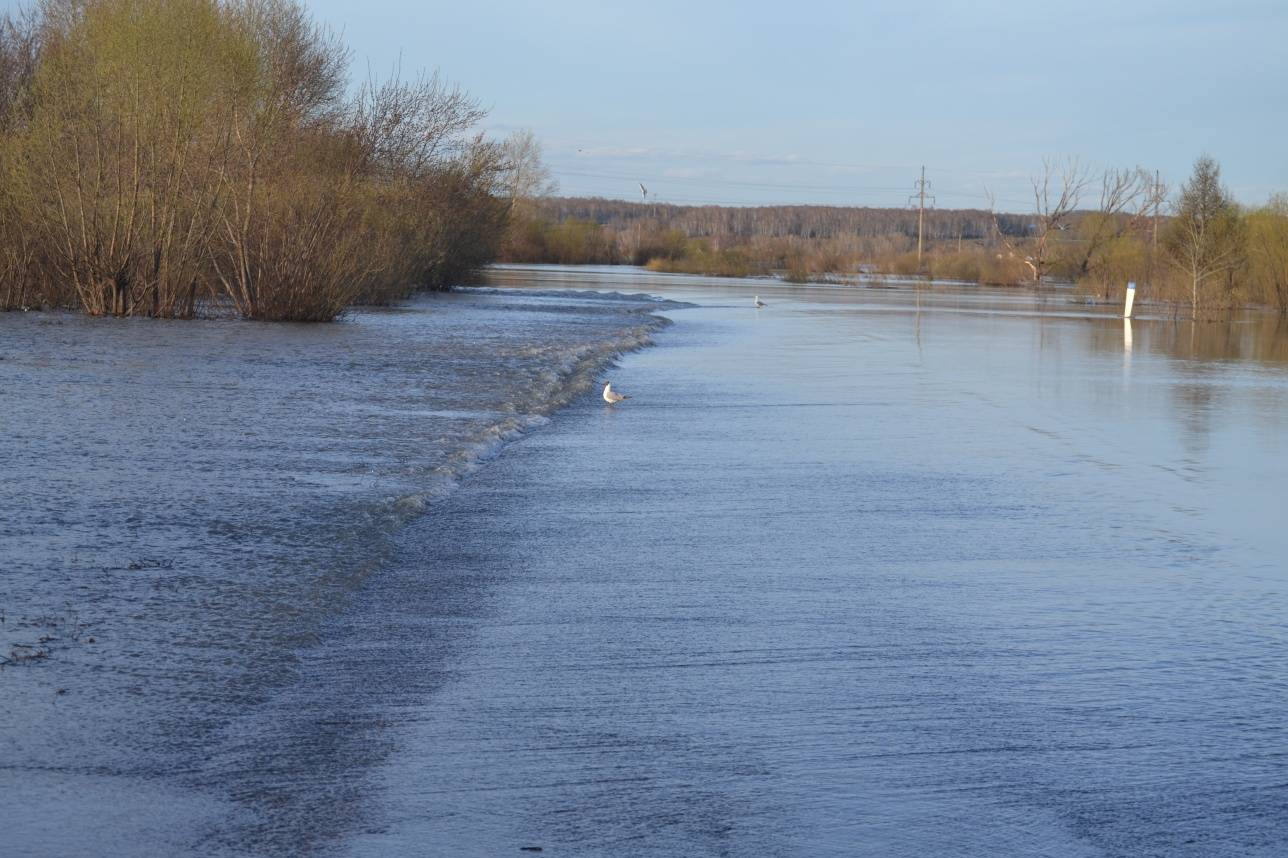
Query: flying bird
611, 396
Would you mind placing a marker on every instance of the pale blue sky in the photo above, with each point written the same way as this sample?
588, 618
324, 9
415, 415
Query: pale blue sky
839, 102
836, 102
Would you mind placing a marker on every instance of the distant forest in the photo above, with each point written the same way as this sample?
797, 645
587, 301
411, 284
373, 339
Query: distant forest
1195, 250
812, 222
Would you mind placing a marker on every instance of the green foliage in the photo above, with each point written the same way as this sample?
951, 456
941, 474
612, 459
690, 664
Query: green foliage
701, 258
114, 166
158, 154
1206, 238
573, 242
1117, 260
1267, 234
668, 244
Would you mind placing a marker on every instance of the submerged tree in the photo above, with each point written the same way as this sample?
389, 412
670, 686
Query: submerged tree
117, 165
1056, 194
1206, 236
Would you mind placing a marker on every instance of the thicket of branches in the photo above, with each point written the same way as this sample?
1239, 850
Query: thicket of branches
157, 156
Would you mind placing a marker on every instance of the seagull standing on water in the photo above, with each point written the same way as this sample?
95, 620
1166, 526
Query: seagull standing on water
759, 303
611, 396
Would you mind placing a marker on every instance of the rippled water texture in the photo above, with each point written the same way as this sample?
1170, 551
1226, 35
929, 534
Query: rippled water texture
185, 505
867, 572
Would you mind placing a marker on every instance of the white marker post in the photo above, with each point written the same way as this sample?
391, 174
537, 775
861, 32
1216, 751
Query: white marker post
1131, 297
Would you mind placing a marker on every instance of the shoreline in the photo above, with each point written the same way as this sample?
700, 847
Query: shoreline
1168, 310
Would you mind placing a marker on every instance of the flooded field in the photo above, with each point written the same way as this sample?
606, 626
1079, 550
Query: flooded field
865, 572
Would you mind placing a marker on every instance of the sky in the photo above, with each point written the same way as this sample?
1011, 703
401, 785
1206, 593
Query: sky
843, 102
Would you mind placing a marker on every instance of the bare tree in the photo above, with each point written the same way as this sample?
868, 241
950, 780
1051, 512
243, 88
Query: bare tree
1056, 194
410, 128
1120, 190
526, 175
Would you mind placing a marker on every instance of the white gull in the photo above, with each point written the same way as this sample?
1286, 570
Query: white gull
611, 396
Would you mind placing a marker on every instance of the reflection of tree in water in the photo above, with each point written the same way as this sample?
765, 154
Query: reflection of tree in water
1261, 338
1205, 351
1205, 354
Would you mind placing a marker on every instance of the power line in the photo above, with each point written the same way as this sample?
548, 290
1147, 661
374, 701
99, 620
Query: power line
686, 199
698, 180
732, 183
609, 151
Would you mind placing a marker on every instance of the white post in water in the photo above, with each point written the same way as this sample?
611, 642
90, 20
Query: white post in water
1131, 297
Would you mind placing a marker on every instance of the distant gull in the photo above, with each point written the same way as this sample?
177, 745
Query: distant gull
611, 396
759, 303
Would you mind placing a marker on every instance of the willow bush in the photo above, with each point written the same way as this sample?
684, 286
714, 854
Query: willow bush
162, 155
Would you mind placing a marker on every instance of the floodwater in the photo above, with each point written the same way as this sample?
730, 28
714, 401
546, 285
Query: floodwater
885, 572
185, 506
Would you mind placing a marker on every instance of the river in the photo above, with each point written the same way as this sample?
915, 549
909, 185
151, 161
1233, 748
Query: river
879, 571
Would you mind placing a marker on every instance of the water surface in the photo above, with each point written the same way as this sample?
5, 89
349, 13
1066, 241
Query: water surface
184, 508
867, 572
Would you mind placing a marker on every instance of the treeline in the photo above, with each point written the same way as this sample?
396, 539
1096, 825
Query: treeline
811, 222
804, 242
1195, 250
159, 156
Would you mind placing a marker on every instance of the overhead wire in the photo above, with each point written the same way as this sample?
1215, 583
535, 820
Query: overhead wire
799, 188
697, 183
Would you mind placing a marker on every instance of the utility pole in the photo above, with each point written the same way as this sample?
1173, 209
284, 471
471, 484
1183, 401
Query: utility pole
920, 196
1156, 195
639, 222
1157, 192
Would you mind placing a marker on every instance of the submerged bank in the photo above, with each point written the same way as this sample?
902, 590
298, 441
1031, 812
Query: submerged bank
185, 504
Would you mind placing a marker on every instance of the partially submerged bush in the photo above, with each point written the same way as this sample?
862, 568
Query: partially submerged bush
161, 153
702, 258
